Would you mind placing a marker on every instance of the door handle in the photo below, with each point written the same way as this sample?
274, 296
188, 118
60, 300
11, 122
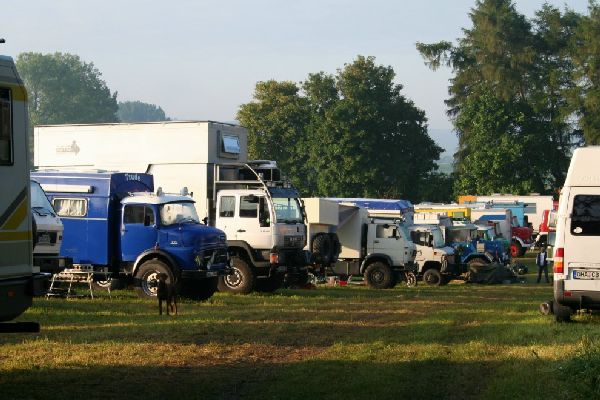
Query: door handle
241, 230
375, 241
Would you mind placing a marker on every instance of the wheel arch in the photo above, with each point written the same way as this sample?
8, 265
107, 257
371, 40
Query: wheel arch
159, 255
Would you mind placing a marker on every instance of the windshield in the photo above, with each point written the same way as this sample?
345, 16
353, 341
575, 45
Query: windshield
287, 209
177, 213
438, 239
39, 201
459, 235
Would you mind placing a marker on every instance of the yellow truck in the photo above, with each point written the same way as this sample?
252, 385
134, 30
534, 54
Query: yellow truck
19, 281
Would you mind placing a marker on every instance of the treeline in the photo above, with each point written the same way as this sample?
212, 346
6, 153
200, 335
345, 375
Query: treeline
524, 92
63, 89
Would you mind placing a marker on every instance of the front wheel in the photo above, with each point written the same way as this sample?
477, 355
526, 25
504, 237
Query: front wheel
198, 289
146, 282
433, 277
379, 276
515, 249
240, 281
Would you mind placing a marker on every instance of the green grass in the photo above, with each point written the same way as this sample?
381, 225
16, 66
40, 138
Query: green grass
458, 341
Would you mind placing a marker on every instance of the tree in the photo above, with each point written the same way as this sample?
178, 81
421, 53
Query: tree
349, 134
521, 72
63, 89
137, 111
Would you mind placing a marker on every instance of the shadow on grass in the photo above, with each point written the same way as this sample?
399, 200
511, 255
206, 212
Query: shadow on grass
313, 379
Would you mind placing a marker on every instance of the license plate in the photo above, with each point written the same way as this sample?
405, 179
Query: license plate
586, 274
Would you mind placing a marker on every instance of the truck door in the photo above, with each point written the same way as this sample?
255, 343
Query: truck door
385, 239
253, 222
581, 234
138, 230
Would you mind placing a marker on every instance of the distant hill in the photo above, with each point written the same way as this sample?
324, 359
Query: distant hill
446, 139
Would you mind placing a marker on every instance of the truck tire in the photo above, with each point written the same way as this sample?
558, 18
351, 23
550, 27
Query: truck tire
379, 275
515, 248
109, 283
433, 277
322, 248
198, 289
240, 281
561, 313
269, 285
145, 282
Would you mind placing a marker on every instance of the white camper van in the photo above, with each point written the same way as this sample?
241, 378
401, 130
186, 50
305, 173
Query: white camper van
18, 281
577, 250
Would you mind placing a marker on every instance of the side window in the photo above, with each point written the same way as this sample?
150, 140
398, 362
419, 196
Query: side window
585, 219
138, 214
249, 207
227, 207
70, 207
385, 232
6, 149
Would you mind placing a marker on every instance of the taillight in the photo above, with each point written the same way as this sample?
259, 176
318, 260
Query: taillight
559, 261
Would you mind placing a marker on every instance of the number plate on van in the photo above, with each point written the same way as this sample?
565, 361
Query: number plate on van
587, 274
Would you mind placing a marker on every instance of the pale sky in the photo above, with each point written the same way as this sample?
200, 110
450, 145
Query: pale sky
202, 59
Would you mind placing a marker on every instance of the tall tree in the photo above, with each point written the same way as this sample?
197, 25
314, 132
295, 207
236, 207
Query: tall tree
137, 111
64, 89
350, 134
520, 71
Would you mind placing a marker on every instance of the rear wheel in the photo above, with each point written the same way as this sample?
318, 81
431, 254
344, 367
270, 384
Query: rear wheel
146, 283
561, 313
240, 281
433, 277
198, 289
515, 248
379, 275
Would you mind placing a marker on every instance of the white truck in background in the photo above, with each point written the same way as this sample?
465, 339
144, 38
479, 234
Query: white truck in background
20, 281
260, 213
47, 233
377, 248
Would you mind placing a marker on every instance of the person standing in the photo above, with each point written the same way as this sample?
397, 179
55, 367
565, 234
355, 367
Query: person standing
542, 263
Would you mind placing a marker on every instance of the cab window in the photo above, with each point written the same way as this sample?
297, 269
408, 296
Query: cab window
249, 207
385, 231
6, 146
138, 214
227, 207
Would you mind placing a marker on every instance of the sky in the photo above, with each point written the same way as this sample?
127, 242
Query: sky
201, 59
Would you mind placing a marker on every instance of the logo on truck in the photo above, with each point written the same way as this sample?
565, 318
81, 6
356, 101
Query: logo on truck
72, 148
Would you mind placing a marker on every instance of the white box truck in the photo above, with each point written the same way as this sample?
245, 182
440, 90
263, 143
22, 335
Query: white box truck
260, 213
19, 281
576, 251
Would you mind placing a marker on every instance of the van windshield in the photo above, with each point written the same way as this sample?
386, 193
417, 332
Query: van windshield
287, 210
178, 213
39, 201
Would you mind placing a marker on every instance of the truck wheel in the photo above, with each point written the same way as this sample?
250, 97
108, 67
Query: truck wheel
515, 248
198, 289
109, 283
561, 313
145, 278
269, 285
433, 277
322, 247
378, 275
240, 281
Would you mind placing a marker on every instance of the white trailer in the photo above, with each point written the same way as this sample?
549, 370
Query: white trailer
260, 214
19, 281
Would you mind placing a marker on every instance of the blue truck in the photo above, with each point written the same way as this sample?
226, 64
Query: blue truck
115, 224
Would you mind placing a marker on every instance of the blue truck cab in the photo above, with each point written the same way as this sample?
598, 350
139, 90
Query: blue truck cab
469, 250
114, 223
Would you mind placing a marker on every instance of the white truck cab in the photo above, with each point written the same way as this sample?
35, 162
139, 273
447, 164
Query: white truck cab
576, 251
433, 256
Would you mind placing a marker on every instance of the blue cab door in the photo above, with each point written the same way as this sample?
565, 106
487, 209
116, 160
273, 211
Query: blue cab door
138, 230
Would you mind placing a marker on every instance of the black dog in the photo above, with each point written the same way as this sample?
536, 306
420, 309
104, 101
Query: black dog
166, 292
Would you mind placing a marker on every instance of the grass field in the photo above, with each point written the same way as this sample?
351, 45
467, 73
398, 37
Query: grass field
459, 341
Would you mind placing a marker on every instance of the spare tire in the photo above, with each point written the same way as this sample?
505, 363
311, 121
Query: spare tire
322, 247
